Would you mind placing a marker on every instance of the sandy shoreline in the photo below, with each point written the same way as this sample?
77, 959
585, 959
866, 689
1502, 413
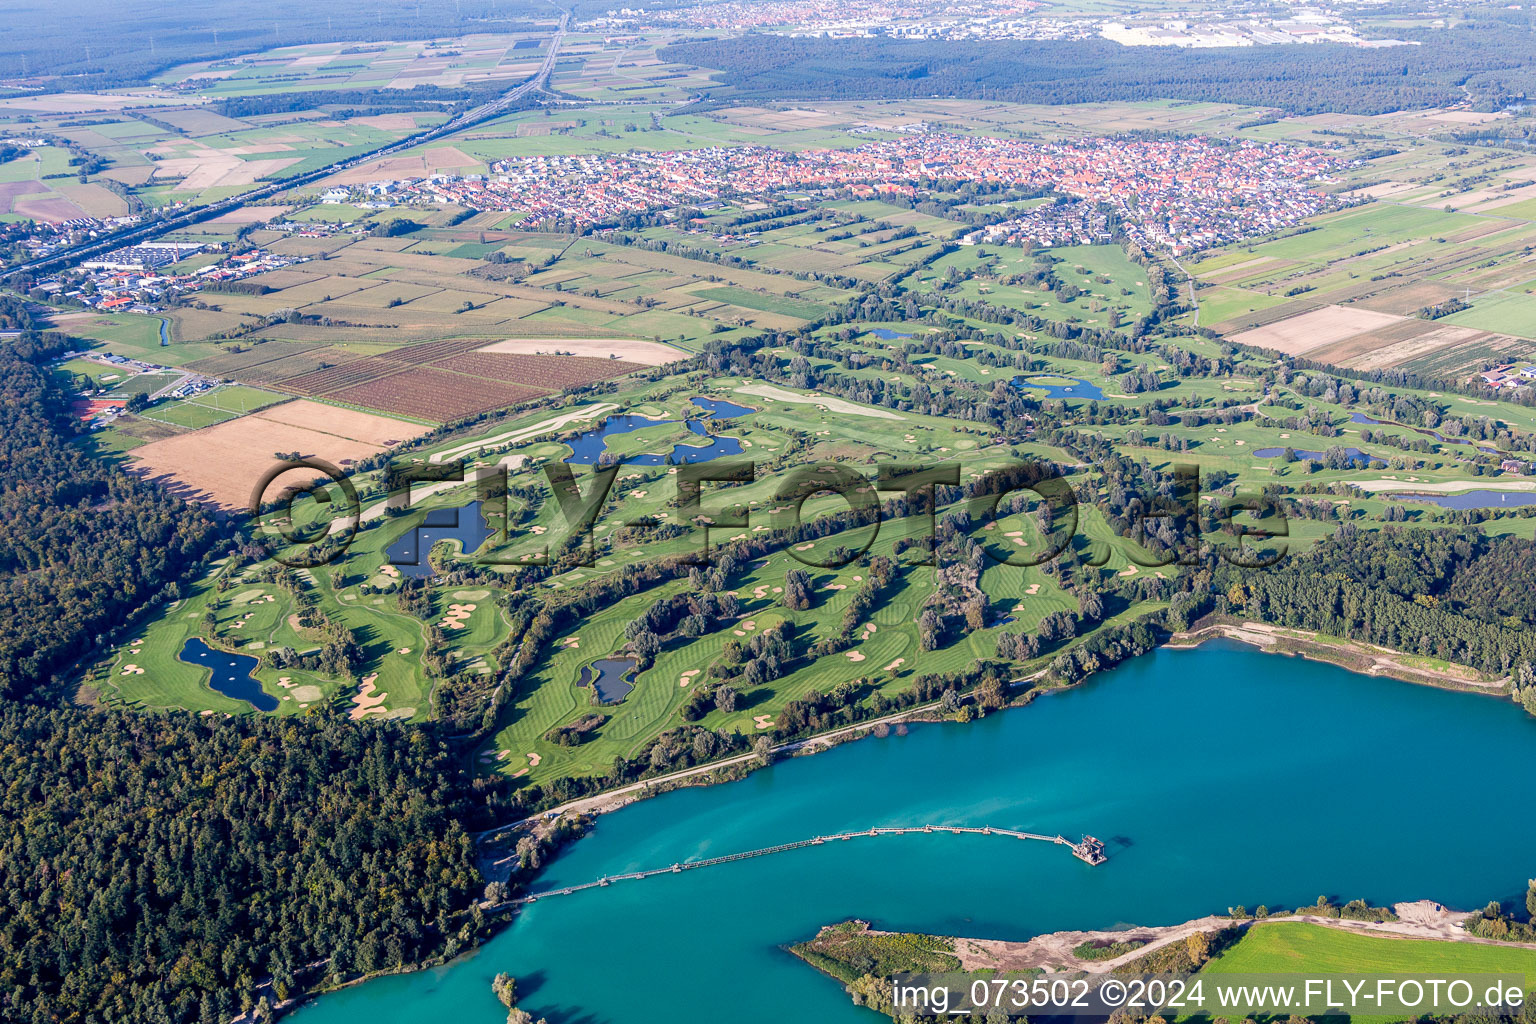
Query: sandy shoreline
1421, 919
1351, 655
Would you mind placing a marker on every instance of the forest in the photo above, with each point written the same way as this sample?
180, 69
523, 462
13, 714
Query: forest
1445, 594
133, 40
1485, 58
83, 545
160, 868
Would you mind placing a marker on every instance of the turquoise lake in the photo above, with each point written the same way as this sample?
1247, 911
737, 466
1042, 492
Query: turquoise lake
1216, 776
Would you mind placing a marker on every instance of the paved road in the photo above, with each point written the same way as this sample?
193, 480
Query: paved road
1192, 300
77, 254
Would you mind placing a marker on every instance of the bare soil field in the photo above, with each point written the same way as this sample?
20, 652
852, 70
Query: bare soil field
54, 210
251, 215
1301, 334
222, 464
1379, 349
388, 122
647, 353
84, 102
424, 164
210, 168
95, 200
344, 423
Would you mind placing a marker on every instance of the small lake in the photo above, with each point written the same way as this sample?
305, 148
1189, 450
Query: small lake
611, 678
1473, 499
587, 449
234, 675
886, 334
1079, 388
465, 524
1356, 456
722, 410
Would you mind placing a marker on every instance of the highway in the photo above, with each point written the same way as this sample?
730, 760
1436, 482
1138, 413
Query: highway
142, 232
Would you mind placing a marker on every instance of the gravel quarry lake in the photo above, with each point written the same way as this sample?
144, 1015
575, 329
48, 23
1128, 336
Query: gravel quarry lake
1217, 776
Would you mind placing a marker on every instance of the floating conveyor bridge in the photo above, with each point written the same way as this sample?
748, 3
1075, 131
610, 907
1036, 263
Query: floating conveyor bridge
1088, 850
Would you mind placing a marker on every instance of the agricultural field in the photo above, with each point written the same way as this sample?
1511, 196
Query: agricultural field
466, 61
153, 150
1299, 946
226, 402
41, 186
223, 462
1368, 287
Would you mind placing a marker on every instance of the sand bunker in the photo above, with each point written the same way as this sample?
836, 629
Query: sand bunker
762, 721
533, 759
855, 655
368, 701
893, 666
457, 613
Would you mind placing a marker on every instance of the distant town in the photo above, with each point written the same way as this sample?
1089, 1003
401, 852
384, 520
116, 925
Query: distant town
1179, 195
1012, 19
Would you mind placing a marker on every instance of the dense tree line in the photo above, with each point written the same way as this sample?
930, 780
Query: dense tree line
1485, 56
82, 544
1442, 594
130, 42
160, 867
